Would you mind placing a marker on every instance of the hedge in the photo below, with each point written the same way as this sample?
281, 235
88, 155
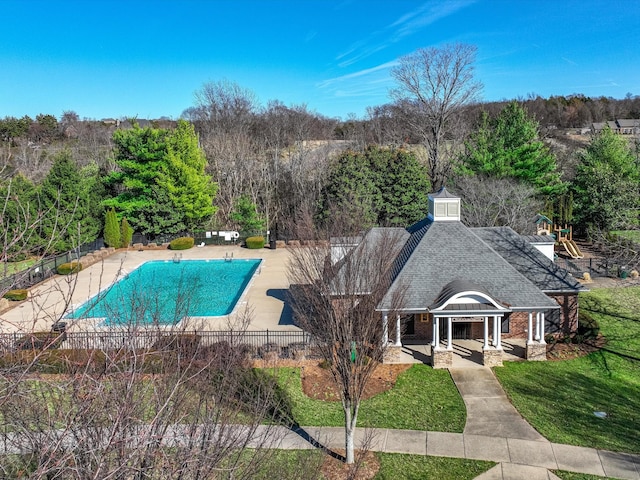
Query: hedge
255, 242
69, 267
182, 243
16, 295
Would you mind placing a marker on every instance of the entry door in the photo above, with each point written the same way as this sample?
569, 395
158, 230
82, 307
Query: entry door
461, 331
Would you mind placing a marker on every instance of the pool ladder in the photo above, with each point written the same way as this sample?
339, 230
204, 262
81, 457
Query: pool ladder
227, 257
177, 257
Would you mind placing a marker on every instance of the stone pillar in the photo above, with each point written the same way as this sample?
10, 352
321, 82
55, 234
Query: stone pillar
536, 352
398, 329
492, 357
392, 354
449, 334
441, 358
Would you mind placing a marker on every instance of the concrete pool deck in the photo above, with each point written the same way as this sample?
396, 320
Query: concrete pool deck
264, 297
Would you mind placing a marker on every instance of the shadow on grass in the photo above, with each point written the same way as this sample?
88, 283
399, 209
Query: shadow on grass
559, 399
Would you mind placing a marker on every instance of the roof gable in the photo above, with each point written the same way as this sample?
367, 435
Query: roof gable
528, 260
441, 252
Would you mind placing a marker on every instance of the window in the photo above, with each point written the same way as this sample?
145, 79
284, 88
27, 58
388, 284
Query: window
505, 324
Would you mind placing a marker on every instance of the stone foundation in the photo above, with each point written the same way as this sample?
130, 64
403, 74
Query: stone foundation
536, 352
391, 354
441, 358
492, 357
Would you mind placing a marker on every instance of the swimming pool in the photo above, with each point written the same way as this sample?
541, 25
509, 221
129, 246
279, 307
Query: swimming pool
164, 292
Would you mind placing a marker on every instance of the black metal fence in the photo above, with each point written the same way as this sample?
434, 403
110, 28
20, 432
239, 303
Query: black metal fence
595, 267
279, 343
47, 267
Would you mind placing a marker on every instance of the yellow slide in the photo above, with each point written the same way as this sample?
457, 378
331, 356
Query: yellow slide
572, 249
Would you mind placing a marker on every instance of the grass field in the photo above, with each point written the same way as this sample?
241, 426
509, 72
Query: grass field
559, 398
10, 268
422, 399
633, 235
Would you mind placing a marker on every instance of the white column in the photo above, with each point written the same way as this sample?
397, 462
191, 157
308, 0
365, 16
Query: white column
449, 334
385, 329
530, 330
542, 328
437, 336
398, 342
494, 336
486, 333
433, 332
498, 333
537, 337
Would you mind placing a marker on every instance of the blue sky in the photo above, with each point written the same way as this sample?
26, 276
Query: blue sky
146, 58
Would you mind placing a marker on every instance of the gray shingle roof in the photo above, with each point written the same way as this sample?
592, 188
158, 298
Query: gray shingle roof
440, 252
528, 260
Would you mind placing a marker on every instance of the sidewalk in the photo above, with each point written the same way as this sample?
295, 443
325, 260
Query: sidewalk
517, 458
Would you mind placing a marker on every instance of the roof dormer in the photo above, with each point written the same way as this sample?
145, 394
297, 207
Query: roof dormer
444, 206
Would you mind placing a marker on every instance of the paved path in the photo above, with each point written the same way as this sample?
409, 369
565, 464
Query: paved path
517, 458
489, 411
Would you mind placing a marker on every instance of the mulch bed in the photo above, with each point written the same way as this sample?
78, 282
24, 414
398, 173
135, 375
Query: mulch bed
318, 383
365, 467
568, 351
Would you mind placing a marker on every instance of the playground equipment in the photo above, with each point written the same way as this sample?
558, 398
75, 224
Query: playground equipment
564, 236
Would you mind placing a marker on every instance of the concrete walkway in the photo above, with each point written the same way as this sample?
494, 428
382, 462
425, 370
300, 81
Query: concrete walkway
489, 411
517, 458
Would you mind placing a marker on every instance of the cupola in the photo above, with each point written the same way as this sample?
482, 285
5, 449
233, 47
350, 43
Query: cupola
444, 206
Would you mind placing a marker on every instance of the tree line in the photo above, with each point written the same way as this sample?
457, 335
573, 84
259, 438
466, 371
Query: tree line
233, 163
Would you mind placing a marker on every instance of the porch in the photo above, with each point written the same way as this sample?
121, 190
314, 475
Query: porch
466, 353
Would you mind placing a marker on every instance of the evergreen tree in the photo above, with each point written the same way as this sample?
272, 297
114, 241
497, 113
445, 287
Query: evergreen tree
606, 185
18, 216
68, 222
112, 236
161, 182
245, 214
126, 233
508, 146
379, 186
183, 176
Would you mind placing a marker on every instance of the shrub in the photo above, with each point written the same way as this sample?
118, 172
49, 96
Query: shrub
126, 233
40, 340
111, 229
69, 267
16, 295
255, 242
182, 243
587, 325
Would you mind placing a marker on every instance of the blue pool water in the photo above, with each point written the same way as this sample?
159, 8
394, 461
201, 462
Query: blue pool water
164, 292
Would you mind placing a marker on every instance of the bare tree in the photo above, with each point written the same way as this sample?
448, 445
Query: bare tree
337, 302
434, 85
494, 202
149, 403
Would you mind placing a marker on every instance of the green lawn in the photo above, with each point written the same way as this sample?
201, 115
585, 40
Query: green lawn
15, 267
414, 467
422, 399
633, 235
577, 476
560, 398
